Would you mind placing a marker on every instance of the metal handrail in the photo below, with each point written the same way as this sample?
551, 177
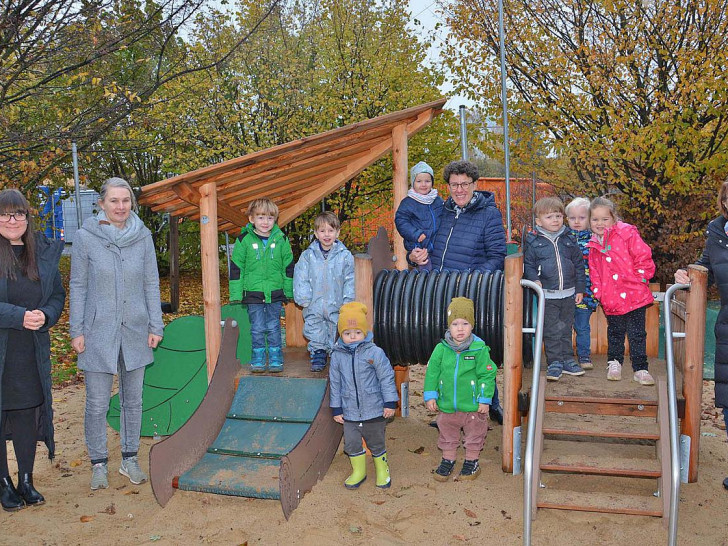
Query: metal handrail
530, 438
672, 415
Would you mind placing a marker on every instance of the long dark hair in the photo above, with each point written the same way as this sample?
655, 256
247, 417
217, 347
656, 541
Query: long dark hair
12, 201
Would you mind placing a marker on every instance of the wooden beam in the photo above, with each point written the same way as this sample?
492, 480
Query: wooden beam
695, 309
350, 172
400, 186
188, 194
512, 356
210, 274
173, 252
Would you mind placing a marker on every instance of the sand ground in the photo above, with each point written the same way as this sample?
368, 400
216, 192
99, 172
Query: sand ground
415, 510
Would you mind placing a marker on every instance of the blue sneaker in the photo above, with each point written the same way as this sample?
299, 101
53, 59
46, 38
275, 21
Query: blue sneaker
257, 360
318, 360
553, 372
572, 368
275, 359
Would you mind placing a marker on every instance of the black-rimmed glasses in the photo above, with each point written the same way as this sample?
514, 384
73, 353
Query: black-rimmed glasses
17, 216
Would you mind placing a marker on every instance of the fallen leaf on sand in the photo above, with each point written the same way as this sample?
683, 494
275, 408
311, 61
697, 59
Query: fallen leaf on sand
86, 519
378, 502
110, 509
418, 451
74, 464
459, 537
470, 513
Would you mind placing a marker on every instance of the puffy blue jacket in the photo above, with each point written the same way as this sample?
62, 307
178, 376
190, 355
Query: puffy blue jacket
321, 285
361, 381
470, 238
413, 219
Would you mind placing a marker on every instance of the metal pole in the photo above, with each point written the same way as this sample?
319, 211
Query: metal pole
506, 150
672, 416
227, 251
533, 198
531, 434
463, 135
77, 186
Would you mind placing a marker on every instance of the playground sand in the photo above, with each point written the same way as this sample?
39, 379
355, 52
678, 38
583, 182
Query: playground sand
415, 510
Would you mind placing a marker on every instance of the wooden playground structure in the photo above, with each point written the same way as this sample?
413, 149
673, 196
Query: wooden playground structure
297, 176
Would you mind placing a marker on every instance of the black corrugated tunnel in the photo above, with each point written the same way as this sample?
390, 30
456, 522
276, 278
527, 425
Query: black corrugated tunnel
410, 311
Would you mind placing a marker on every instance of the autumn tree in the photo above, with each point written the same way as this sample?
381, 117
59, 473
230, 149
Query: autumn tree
624, 98
72, 71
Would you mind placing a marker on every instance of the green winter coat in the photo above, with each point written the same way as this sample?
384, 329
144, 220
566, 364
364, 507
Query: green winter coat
261, 274
460, 381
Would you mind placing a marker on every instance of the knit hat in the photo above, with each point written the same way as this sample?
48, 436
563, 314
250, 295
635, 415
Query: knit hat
353, 316
461, 308
421, 167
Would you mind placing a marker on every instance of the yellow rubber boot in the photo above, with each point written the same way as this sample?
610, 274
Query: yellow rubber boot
358, 471
382, 467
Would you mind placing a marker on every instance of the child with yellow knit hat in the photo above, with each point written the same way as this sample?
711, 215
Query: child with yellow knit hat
362, 394
459, 382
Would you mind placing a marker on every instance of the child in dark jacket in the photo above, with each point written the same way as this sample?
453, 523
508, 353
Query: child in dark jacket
418, 215
459, 382
362, 395
577, 214
261, 276
552, 259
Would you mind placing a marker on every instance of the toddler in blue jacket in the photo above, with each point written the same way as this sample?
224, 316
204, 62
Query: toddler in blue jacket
323, 280
362, 394
418, 214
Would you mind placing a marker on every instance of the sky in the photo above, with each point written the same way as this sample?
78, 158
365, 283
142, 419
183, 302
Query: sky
426, 12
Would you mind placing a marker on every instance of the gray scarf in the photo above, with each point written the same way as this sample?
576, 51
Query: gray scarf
124, 236
458, 347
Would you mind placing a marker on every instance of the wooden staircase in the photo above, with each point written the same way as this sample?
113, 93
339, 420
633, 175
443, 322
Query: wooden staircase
603, 446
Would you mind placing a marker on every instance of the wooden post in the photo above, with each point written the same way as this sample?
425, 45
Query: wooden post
693, 366
512, 355
174, 263
210, 274
364, 283
399, 181
294, 326
652, 325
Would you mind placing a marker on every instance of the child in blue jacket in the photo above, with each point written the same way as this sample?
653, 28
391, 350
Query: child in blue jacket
323, 280
418, 214
362, 395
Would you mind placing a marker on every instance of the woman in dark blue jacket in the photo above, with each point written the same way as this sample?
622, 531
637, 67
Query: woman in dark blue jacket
31, 301
470, 236
715, 258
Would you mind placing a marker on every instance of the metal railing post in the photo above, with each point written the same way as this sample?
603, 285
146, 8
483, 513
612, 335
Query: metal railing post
530, 438
672, 414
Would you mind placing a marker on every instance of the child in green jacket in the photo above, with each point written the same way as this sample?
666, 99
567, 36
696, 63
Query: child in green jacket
261, 276
459, 382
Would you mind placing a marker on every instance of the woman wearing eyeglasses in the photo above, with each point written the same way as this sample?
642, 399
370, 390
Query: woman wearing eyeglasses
470, 235
715, 258
31, 301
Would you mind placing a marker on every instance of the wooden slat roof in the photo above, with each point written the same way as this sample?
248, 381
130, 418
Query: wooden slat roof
295, 175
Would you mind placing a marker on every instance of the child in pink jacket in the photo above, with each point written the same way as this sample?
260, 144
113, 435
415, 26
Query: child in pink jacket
621, 266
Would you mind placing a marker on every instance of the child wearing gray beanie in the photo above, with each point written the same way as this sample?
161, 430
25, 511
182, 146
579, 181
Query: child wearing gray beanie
418, 214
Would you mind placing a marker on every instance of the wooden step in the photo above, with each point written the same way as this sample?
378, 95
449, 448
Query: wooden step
599, 502
601, 426
600, 406
579, 457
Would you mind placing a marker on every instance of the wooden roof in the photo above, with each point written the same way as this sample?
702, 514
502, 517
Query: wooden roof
295, 175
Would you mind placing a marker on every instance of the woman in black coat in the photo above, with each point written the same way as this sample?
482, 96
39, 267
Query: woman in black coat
715, 258
31, 301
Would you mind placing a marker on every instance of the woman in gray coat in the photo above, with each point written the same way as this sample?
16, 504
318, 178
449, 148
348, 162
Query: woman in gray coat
31, 301
116, 321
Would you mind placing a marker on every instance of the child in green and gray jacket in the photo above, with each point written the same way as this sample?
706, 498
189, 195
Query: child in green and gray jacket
261, 276
459, 382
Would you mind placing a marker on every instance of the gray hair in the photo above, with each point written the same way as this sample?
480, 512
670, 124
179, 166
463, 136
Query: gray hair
577, 203
116, 182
